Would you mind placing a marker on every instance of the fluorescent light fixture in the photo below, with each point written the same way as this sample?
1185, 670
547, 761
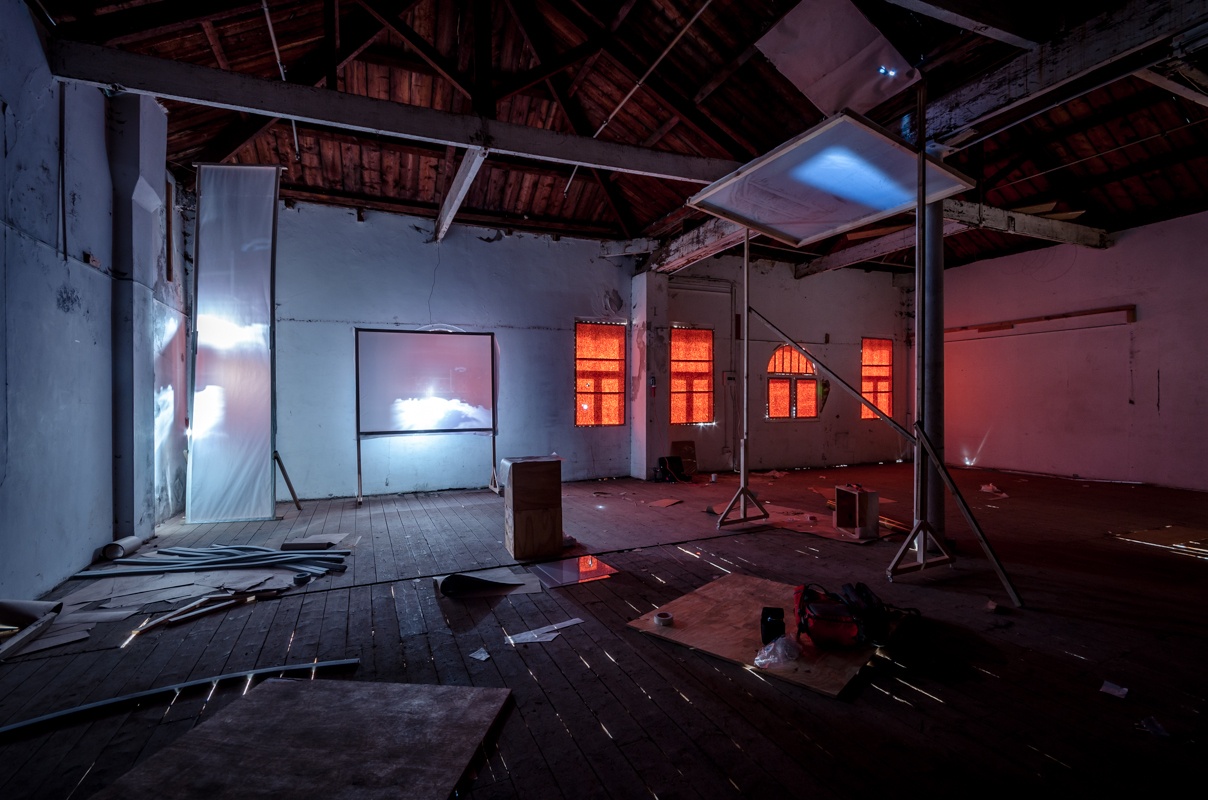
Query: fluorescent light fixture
841, 174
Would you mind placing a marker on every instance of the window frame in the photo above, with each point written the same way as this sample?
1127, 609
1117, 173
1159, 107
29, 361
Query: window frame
884, 382
621, 373
692, 393
795, 381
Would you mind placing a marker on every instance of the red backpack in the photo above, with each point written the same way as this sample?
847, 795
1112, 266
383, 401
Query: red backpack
825, 618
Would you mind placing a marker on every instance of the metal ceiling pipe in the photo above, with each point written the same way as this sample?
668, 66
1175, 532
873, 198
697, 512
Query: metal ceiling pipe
272, 35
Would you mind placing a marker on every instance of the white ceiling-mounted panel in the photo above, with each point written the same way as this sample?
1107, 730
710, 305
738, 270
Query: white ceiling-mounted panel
841, 174
836, 57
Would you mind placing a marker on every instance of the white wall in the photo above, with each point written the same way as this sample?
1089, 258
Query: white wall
829, 314
1116, 402
335, 274
59, 321
56, 471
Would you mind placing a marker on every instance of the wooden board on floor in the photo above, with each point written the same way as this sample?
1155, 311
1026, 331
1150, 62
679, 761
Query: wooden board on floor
323, 738
1169, 536
722, 619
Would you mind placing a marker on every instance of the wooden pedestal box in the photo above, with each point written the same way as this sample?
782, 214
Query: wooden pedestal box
532, 506
857, 511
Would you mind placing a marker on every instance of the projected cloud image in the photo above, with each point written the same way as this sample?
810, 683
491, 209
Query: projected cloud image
409, 381
437, 413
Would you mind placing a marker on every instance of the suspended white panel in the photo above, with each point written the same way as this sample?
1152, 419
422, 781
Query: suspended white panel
231, 422
837, 58
839, 175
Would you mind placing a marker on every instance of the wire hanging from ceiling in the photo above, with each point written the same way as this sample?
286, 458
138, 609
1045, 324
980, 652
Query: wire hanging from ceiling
640, 82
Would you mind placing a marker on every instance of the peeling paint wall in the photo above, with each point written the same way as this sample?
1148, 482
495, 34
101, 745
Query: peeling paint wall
335, 273
827, 313
1097, 400
60, 316
56, 500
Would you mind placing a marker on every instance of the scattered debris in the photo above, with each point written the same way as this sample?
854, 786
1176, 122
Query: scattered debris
480, 654
545, 634
217, 557
990, 488
1152, 725
319, 541
486, 583
665, 503
571, 571
1115, 691
33, 618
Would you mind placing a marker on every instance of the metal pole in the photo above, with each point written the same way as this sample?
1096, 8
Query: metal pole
933, 377
746, 364
920, 321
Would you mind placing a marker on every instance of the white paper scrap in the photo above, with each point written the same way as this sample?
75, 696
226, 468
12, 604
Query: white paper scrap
480, 654
1115, 691
546, 634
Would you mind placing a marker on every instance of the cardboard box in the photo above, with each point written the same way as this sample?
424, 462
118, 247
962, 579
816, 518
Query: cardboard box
532, 506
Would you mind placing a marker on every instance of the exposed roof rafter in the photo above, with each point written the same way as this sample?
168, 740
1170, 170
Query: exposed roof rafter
1112, 37
190, 83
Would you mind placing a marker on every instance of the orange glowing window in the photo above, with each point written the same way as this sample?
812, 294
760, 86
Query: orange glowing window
876, 376
691, 376
792, 385
599, 374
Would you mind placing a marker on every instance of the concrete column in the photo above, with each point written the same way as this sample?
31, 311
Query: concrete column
138, 138
650, 374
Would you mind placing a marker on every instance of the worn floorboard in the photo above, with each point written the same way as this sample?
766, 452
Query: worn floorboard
970, 699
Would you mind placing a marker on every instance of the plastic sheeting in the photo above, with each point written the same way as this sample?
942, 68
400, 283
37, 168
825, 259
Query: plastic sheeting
231, 435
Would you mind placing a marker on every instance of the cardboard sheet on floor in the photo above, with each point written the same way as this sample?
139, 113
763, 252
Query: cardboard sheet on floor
665, 503
486, 583
570, 571
722, 619
793, 519
332, 739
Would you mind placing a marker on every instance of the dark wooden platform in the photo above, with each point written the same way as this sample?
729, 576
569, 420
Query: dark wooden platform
969, 701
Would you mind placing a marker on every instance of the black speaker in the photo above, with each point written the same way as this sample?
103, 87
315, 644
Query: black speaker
674, 466
771, 624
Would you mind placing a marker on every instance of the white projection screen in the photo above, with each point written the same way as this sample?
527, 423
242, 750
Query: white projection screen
231, 417
424, 382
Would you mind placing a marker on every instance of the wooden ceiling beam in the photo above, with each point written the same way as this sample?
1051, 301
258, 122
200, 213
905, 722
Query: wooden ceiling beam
718, 235
357, 33
870, 250
1057, 67
130, 25
984, 19
1174, 87
77, 62
390, 18
538, 39
471, 162
715, 236
515, 84
479, 217
483, 99
977, 215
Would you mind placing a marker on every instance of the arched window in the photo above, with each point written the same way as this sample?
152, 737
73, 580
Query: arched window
792, 385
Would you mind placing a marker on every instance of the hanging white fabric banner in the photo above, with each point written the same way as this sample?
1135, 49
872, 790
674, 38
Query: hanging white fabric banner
231, 421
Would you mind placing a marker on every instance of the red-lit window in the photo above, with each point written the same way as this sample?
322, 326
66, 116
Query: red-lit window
691, 376
792, 385
599, 374
876, 376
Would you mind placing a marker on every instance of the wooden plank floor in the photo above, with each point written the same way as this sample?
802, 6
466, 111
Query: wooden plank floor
968, 701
